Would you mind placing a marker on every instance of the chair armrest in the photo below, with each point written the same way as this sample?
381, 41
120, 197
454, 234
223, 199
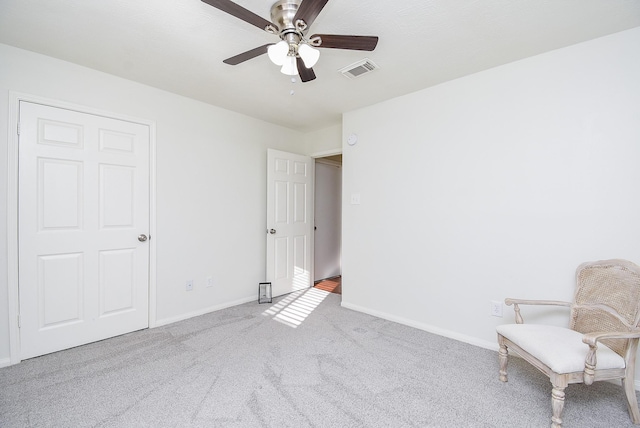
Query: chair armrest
592, 340
516, 308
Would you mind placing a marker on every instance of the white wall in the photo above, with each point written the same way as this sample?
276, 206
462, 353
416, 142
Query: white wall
328, 221
211, 191
494, 185
325, 141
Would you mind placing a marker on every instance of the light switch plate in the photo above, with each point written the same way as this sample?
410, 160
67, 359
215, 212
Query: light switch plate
355, 199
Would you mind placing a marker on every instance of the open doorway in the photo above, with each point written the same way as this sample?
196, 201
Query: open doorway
328, 224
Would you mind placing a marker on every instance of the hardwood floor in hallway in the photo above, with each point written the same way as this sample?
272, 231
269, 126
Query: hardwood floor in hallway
333, 285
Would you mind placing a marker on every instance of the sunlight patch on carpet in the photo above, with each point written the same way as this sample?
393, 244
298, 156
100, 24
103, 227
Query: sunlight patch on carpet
296, 307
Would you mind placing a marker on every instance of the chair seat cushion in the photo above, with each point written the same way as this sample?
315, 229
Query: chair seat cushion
560, 349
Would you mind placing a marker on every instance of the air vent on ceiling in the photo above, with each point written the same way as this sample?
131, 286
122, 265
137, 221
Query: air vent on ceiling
358, 69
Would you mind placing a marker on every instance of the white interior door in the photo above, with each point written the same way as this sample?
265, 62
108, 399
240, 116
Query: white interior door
289, 221
83, 206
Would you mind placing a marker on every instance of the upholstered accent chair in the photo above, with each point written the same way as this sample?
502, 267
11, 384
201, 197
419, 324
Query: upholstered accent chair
600, 343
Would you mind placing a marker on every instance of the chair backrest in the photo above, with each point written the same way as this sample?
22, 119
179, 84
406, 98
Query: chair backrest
607, 298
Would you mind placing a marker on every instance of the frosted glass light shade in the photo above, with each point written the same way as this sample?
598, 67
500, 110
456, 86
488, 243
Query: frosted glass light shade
289, 67
308, 54
278, 52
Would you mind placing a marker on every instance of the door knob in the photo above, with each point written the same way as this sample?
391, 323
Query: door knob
142, 238
272, 231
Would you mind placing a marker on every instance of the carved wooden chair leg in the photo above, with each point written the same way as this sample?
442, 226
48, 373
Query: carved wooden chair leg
503, 357
632, 401
557, 405
605, 315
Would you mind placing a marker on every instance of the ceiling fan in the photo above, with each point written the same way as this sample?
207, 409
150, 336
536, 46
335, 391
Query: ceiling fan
290, 20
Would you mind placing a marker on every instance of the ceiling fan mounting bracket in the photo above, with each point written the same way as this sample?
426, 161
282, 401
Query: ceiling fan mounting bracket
271, 29
315, 41
301, 25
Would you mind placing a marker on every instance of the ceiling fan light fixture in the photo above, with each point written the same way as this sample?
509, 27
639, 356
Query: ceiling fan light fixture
278, 52
308, 54
290, 68
290, 21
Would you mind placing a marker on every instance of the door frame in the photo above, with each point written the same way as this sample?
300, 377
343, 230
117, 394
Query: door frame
317, 160
13, 215
315, 156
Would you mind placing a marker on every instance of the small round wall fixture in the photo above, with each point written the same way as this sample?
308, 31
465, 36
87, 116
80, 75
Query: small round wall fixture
352, 139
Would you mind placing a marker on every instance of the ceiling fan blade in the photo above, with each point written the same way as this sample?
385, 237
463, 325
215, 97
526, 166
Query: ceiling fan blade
306, 74
309, 10
241, 13
235, 60
358, 43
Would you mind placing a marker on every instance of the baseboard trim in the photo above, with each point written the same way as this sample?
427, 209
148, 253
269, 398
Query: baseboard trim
203, 311
441, 332
5, 362
425, 327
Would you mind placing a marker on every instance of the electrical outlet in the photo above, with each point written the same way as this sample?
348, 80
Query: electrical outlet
189, 285
496, 308
209, 281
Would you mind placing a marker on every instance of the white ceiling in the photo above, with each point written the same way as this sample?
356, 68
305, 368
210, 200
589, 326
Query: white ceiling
179, 46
